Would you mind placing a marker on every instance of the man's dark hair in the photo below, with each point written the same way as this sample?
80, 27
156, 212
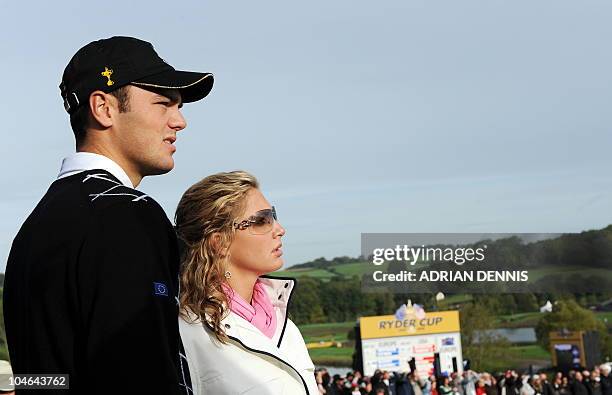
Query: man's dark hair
79, 120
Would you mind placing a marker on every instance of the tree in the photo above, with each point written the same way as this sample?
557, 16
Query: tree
567, 314
306, 305
526, 303
508, 304
479, 344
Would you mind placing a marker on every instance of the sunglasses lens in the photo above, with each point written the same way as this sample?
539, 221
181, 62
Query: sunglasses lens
262, 222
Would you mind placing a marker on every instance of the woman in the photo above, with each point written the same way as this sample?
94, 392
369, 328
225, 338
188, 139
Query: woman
536, 384
445, 387
491, 387
234, 325
434, 385
480, 387
564, 389
526, 388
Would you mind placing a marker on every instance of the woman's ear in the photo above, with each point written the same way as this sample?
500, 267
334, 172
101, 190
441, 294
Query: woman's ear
216, 241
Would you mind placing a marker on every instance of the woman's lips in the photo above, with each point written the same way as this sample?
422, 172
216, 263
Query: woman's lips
277, 252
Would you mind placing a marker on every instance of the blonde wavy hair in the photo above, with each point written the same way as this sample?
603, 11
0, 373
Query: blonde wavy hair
209, 207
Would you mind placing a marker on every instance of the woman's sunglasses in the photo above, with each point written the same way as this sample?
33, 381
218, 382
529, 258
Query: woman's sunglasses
259, 223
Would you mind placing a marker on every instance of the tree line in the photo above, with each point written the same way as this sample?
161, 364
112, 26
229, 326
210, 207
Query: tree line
343, 299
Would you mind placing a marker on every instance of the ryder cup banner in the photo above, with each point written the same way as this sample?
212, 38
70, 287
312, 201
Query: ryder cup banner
389, 343
388, 326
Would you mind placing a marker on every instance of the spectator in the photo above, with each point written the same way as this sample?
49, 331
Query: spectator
6, 387
319, 379
536, 384
403, 385
365, 388
606, 379
456, 383
556, 385
491, 387
445, 388
425, 384
337, 386
480, 387
376, 377
577, 386
526, 388
587, 381
434, 385
415, 382
596, 382
547, 387
468, 383
565, 387
510, 383
387, 383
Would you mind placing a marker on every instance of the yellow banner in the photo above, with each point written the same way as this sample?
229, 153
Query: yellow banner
388, 326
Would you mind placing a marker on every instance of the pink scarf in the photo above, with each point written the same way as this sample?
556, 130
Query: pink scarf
259, 312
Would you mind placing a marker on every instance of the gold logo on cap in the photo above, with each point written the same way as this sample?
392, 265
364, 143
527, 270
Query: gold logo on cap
107, 73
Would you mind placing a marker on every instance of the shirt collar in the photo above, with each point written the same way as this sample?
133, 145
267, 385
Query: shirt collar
83, 161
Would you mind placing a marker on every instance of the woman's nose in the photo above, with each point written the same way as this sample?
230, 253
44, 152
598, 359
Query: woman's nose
279, 231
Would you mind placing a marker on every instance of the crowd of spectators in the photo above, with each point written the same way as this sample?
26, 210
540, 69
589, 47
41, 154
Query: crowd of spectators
597, 381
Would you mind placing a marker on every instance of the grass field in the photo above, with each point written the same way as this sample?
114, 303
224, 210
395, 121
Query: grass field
337, 331
532, 351
332, 356
605, 317
450, 300
536, 274
525, 320
314, 273
349, 270
520, 320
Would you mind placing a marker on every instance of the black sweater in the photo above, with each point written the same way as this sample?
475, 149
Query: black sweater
91, 290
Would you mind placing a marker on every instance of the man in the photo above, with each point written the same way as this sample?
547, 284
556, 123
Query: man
578, 386
606, 379
92, 279
468, 383
547, 387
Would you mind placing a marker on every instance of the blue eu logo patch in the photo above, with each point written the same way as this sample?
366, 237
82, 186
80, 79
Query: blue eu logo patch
160, 289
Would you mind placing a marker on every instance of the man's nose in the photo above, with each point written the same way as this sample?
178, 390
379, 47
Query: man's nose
177, 121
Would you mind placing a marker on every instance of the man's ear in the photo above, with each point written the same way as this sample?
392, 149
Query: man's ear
101, 107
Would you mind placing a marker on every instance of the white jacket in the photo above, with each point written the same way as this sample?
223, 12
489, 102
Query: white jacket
251, 363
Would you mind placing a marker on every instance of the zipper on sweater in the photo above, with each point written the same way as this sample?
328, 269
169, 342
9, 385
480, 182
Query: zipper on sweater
275, 357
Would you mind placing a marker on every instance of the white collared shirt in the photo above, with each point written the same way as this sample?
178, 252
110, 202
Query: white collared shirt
83, 161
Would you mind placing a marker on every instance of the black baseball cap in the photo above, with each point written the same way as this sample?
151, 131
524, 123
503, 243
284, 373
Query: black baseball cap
114, 62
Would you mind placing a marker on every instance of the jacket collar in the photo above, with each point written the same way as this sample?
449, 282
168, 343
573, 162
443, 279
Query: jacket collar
279, 290
83, 161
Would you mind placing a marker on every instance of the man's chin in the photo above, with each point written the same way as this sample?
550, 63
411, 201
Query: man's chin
156, 171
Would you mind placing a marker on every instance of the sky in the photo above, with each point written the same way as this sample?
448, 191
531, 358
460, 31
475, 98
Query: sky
356, 117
